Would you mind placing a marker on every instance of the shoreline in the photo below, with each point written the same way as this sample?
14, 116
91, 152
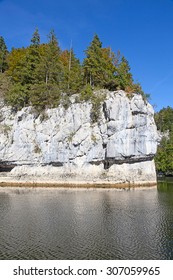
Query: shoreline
75, 184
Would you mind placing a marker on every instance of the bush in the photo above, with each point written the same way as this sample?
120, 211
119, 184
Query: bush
97, 99
86, 93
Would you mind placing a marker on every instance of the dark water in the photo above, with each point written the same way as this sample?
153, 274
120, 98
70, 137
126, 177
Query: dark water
87, 224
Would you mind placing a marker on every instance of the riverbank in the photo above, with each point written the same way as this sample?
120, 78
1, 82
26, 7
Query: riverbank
123, 176
45, 183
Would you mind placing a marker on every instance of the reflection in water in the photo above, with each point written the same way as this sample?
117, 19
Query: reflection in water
165, 198
90, 224
165, 185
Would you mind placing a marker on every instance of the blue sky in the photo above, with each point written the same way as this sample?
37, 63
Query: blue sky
141, 29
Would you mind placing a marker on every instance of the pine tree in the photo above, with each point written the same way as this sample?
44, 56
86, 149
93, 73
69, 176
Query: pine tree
72, 75
124, 77
3, 55
45, 92
93, 63
42, 75
35, 40
100, 65
50, 65
110, 62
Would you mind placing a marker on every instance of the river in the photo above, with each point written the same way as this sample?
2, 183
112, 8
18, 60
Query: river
87, 224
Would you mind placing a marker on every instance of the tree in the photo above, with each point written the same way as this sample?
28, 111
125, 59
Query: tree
20, 75
93, 63
50, 64
4, 85
110, 62
17, 96
123, 76
164, 156
48, 74
22, 71
35, 40
72, 73
100, 65
164, 119
43, 75
3, 55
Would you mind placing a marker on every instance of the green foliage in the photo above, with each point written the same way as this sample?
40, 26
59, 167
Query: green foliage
3, 55
97, 100
44, 96
42, 75
164, 119
86, 93
65, 101
71, 80
99, 65
92, 63
164, 156
124, 77
17, 96
35, 40
4, 85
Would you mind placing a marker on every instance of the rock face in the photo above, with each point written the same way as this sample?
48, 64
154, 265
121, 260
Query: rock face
65, 145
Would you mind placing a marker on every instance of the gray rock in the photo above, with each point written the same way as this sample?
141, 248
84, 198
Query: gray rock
126, 133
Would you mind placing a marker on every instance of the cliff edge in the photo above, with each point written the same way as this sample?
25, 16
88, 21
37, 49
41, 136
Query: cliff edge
63, 145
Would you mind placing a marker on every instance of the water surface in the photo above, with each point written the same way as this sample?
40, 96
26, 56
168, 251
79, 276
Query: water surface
87, 224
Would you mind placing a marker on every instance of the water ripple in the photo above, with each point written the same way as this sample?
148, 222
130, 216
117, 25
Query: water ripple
104, 224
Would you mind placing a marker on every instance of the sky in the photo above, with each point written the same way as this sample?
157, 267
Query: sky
141, 29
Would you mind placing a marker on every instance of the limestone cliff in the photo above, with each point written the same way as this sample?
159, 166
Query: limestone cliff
64, 145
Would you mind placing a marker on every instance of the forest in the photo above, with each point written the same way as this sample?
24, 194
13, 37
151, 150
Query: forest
164, 156
43, 75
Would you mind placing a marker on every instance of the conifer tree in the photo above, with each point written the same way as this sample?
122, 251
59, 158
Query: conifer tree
93, 64
50, 64
72, 73
3, 55
42, 75
35, 40
99, 65
124, 77
110, 62
49, 74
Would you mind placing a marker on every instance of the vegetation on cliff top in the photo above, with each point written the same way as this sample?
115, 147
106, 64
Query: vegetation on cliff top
164, 156
41, 73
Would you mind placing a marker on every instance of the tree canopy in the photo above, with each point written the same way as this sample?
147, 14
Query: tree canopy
3, 55
43, 75
164, 156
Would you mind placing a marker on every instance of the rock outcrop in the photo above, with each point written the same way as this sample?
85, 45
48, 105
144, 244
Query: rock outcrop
64, 145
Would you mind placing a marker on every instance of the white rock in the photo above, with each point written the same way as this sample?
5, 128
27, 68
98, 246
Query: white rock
126, 133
